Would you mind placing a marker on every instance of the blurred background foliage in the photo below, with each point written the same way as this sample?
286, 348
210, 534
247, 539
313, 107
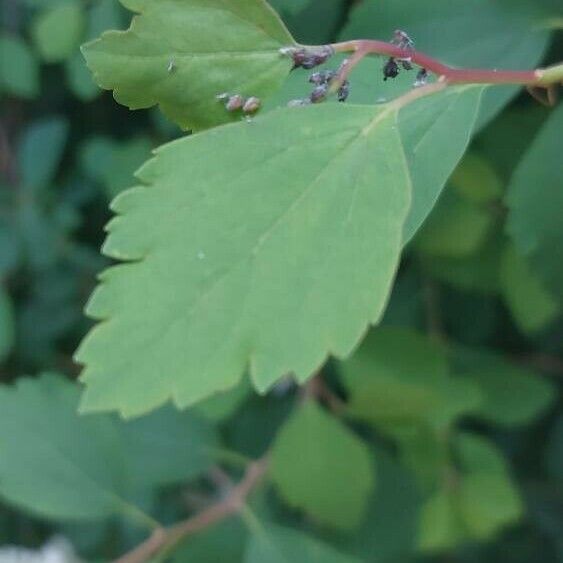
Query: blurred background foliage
457, 400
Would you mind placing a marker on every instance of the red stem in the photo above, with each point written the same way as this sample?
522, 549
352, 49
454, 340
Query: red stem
364, 47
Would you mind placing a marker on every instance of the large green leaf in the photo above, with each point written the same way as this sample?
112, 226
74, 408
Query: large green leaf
535, 199
300, 223
321, 467
64, 466
478, 33
274, 544
181, 54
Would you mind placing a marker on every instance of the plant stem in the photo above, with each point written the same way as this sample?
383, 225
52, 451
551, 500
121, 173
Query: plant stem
364, 47
167, 538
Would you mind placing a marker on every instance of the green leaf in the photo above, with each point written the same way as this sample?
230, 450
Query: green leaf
60, 465
476, 179
532, 306
19, 71
181, 54
554, 453
512, 396
440, 527
224, 405
463, 34
455, 229
7, 324
120, 161
435, 134
275, 544
304, 207
289, 6
58, 30
321, 467
535, 199
487, 498
80, 79
40, 152
435, 131
400, 377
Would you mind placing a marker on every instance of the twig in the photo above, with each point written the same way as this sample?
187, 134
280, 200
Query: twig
167, 538
540, 78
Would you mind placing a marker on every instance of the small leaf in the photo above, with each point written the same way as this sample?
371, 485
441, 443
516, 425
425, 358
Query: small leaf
60, 465
210, 266
181, 54
476, 180
535, 199
531, 304
275, 544
40, 152
512, 396
318, 465
487, 498
19, 71
440, 527
58, 30
80, 79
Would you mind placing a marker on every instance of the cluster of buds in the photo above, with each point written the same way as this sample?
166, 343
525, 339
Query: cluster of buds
322, 81
236, 102
308, 58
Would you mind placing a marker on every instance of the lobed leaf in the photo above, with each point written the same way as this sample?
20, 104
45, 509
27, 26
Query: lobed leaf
180, 54
301, 223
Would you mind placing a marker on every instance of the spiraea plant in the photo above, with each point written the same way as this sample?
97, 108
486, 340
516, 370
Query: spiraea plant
254, 260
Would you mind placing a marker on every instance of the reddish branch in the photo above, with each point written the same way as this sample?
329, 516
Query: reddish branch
165, 538
539, 79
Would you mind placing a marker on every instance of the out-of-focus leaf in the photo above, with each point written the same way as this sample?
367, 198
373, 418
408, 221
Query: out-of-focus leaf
7, 332
114, 163
535, 199
456, 228
554, 453
464, 34
487, 498
58, 30
476, 180
80, 79
532, 306
400, 377
321, 467
89, 466
304, 208
102, 16
440, 527
40, 152
182, 54
223, 405
19, 72
274, 544
224, 542
289, 6
389, 529
512, 396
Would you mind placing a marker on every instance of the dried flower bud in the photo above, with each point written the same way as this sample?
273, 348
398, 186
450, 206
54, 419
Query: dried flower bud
391, 69
252, 105
344, 91
319, 94
421, 78
310, 59
235, 102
